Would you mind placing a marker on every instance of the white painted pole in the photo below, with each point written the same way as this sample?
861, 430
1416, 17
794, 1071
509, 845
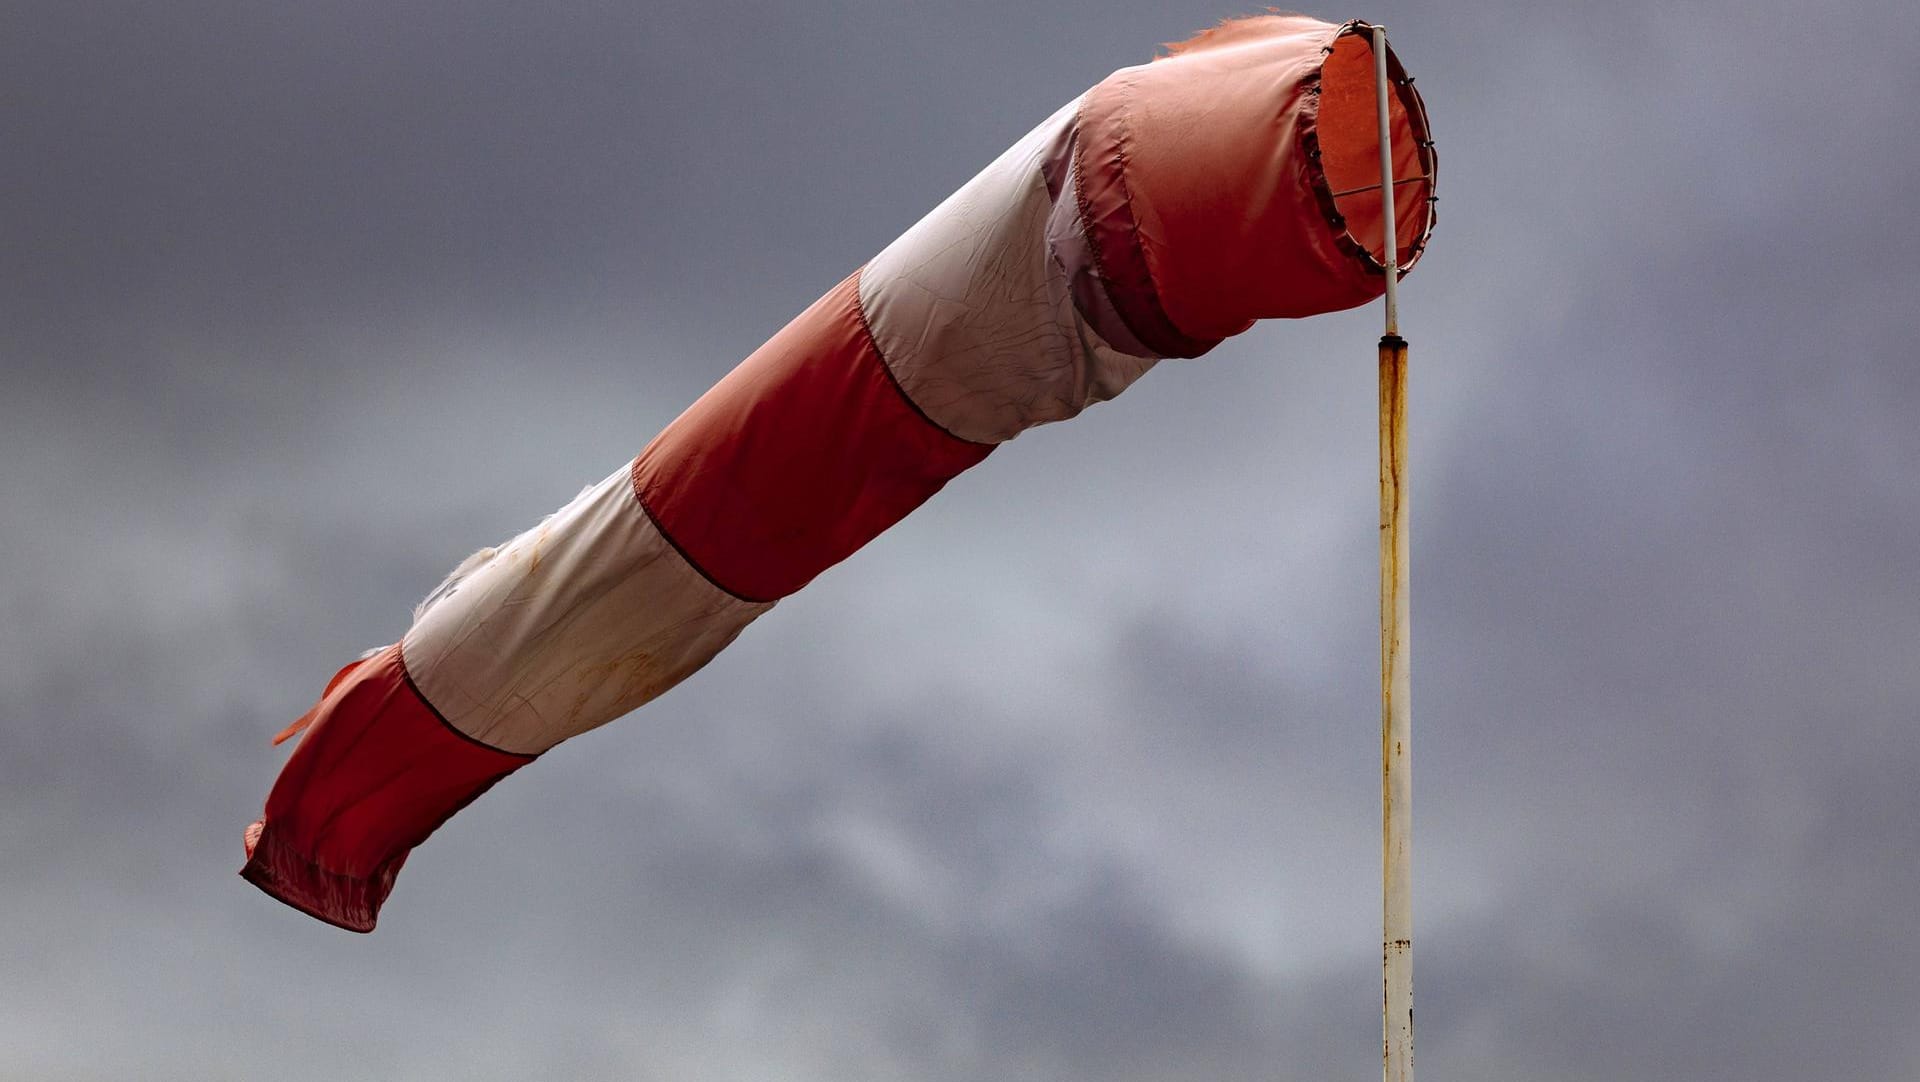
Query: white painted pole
1396, 761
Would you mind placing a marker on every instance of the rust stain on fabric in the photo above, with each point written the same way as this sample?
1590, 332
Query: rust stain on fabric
539, 539
634, 675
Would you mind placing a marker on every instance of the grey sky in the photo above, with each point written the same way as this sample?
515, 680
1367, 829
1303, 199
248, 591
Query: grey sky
1072, 775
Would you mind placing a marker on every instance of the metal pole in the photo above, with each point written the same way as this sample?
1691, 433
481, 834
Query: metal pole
1386, 180
1396, 789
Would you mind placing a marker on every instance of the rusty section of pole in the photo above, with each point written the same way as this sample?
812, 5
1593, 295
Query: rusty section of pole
1396, 715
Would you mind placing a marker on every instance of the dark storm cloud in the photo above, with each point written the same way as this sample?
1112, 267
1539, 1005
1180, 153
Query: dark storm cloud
1071, 774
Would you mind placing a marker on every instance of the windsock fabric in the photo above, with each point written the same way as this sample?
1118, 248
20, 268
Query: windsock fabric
1163, 211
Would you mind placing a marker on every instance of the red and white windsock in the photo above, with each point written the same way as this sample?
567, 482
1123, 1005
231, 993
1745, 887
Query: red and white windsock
1163, 211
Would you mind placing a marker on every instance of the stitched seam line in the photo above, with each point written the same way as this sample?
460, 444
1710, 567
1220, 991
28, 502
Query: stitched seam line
400, 656
1164, 338
633, 473
866, 328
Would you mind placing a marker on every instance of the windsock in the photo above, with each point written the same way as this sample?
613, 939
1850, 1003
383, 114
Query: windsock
1161, 212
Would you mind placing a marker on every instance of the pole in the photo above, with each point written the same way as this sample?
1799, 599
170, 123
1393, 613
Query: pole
1392, 252
1396, 789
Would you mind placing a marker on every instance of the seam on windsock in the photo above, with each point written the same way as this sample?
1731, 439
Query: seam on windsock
866, 328
406, 674
1142, 293
640, 500
1123, 137
1102, 276
1072, 251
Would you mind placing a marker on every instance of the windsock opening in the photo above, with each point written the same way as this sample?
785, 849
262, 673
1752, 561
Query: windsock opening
1238, 178
1349, 134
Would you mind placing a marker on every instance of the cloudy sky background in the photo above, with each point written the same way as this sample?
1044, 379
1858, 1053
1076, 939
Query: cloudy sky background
1073, 774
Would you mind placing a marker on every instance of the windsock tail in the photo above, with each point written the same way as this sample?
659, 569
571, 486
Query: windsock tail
377, 772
